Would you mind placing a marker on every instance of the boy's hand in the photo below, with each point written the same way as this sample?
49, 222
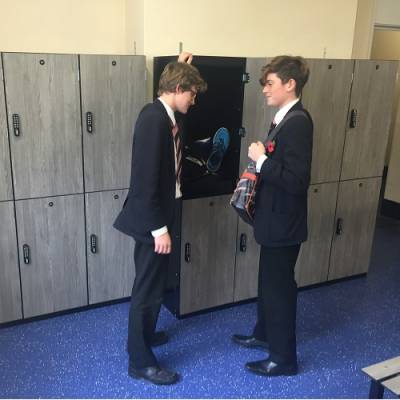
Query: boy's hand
162, 244
256, 150
185, 57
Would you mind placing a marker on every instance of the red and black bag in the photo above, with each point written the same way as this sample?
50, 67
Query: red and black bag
243, 197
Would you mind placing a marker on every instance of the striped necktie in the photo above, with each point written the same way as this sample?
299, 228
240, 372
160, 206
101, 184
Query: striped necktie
178, 149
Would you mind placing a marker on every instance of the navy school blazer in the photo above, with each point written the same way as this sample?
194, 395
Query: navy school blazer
150, 202
281, 199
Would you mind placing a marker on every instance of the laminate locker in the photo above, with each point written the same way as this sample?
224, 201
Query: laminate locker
207, 253
113, 93
10, 289
247, 260
326, 97
6, 192
354, 227
51, 237
313, 262
369, 119
111, 268
257, 118
43, 103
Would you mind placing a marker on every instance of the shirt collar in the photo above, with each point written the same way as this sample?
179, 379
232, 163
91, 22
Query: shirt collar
169, 110
283, 111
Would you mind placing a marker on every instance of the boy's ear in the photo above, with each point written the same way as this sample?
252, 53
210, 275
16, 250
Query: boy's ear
291, 85
178, 89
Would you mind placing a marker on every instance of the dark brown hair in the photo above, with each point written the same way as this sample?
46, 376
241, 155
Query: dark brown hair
179, 73
287, 67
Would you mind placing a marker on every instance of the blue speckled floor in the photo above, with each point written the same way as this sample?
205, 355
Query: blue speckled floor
341, 328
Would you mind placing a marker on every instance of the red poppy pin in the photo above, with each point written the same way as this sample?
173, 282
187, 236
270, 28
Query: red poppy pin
270, 146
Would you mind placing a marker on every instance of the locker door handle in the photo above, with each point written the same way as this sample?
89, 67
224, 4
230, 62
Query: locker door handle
188, 252
89, 122
242, 132
243, 243
353, 118
26, 253
93, 244
16, 125
339, 226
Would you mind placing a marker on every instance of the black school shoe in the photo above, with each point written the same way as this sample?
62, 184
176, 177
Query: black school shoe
154, 374
249, 342
270, 368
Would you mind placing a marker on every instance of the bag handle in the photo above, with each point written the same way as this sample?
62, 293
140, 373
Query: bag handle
289, 115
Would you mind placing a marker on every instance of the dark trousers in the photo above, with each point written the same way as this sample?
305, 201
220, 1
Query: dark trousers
147, 296
277, 302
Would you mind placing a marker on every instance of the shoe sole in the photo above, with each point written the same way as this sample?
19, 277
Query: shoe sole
222, 132
138, 376
292, 373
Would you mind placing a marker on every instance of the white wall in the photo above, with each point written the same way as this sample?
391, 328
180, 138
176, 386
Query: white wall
364, 29
388, 12
251, 27
63, 26
386, 46
134, 18
214, 27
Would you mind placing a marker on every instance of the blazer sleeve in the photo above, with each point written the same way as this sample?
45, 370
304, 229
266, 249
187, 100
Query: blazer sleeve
149, 146
291, 172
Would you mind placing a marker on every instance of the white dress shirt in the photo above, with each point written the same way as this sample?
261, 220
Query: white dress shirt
277, 120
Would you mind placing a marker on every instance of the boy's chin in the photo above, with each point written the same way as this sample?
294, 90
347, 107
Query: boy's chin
184, 110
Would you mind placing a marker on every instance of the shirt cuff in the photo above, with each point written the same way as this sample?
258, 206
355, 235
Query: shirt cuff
260, 162
159, 232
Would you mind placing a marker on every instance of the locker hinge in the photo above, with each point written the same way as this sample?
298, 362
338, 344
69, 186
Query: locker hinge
246, 77
352, 78
79, 75
145, 74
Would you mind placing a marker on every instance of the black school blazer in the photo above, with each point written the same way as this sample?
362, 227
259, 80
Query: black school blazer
150, 202
281, 200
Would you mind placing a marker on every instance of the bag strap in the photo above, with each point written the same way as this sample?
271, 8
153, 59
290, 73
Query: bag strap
270, 137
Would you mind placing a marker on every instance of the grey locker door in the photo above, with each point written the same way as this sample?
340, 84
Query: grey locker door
355, 216
257, 116
209, 228
111, 269
247, 260
43, 91
5, 166
114, 92
326, 96
52, 254
10, 289
371, 99
313, 262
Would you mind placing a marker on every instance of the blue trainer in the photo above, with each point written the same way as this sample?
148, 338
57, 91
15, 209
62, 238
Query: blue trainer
220, 145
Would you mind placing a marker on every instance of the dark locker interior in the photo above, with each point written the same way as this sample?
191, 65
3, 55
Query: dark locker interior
205, 171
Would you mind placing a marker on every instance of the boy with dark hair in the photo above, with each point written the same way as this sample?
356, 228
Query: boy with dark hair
149, 211
280, 223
